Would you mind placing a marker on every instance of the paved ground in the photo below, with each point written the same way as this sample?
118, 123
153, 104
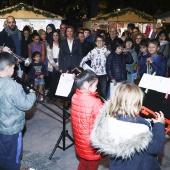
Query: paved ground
43, 129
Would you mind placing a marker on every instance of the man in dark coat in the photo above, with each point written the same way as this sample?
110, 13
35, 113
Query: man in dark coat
112, 38
11, 37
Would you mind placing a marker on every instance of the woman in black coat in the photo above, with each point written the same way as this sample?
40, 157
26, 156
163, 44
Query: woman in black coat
70, 52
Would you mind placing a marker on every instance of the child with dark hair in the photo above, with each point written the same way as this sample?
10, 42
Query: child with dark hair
13, 102
129, 46
84, 108
157, 61
116, 65
87, 34
37, 45
141, 66
36, 73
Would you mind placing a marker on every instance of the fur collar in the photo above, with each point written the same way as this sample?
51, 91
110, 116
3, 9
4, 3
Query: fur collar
118, 138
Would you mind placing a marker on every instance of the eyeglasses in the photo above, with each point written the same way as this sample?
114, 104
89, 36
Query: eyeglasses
135, 31
129, 42
99, 40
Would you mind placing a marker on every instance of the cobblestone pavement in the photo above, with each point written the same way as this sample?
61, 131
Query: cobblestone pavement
37, 162
43, 129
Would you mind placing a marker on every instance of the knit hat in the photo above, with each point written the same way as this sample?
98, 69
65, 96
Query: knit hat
40, 31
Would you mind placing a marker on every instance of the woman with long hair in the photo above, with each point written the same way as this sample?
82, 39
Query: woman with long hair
70, 53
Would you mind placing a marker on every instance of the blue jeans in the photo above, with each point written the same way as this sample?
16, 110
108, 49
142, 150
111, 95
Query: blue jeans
10, 151
40, 82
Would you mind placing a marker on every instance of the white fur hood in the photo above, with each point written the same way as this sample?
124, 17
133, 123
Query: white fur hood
117, 138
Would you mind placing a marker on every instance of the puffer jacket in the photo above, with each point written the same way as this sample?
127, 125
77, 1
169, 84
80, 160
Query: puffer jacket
84, 109
116, 66
13, 102
131, 145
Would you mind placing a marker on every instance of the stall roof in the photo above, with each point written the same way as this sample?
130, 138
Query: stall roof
165, 17
22, 10
126, 15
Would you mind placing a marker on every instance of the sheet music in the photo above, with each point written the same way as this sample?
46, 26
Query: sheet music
65, 85
85, 67
157, 83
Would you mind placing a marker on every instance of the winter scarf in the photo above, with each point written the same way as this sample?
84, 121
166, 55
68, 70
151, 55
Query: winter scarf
10, 32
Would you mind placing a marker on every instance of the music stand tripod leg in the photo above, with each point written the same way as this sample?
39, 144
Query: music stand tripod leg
63, 135
67, 134
56, 145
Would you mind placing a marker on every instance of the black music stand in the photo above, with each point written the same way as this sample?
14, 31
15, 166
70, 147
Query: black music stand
156, 101
65, 116
64, 132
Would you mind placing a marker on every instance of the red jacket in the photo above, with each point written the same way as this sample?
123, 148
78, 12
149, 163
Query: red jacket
84, 109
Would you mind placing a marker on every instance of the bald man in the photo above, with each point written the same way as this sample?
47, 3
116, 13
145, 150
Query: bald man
11, 37
112, 38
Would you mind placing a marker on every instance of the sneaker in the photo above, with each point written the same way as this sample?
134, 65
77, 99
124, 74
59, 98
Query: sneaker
42, 101
46, 92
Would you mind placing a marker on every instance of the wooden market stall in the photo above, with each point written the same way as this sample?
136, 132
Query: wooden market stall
120, 19
165, 17
29, 15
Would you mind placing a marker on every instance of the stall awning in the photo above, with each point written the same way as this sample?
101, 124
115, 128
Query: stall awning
126, 15
22, 10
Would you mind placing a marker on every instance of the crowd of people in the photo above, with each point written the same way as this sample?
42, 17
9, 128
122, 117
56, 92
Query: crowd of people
109, 62
112, 57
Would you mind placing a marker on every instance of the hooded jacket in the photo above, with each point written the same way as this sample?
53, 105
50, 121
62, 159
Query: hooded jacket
84, 109
131, 145
50, 35
13, 102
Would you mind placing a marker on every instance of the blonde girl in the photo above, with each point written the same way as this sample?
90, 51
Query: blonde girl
131, 141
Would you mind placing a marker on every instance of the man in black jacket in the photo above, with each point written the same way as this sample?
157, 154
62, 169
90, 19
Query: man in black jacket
112, 38
11, 37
